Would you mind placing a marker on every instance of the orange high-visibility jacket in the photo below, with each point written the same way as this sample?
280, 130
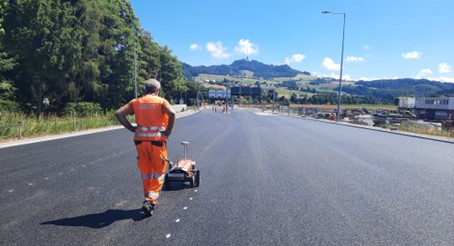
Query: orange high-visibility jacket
150, 117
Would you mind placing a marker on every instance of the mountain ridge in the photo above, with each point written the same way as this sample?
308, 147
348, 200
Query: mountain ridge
238, 67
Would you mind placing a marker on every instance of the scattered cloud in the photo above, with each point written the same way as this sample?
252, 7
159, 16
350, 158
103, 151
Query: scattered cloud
217, 50
366, 79
329, 64
195, 47
423, 73
442, 79
298, 57
444, 68
354, 59
294, 59
412, 55
345, 77
245, 47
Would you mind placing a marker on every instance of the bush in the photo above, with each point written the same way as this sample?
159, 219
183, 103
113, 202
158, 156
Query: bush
8, 106
82, 109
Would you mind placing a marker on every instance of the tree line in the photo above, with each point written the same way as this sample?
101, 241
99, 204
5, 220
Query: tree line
62, 52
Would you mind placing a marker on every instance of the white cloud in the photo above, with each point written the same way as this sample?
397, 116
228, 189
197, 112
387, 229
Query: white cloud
345, 77
444, 68
355, 59
442, 79
294, 59
246, 47
194, 47
368, 79
423, 73
298, 57
217, 50
412, 55
329, 64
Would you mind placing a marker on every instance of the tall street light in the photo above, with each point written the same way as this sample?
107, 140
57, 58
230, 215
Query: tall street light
342, 62
135, 61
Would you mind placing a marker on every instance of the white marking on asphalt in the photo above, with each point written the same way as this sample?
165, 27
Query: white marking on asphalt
46, 178
178, 220
10, 191
30, 184
72, 169
190, 199
185, 208
195, 191
168, 235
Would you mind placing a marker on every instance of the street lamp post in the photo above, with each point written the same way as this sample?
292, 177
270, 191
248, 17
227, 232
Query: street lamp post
342, 62
135, 61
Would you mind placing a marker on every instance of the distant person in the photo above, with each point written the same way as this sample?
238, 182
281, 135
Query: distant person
155, 119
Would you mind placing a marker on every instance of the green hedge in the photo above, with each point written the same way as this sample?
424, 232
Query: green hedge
83, 109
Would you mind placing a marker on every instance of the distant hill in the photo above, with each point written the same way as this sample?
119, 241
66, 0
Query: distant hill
385, 90
389, 89
238, 67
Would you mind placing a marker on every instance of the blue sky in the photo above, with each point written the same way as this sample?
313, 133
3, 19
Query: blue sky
383, 39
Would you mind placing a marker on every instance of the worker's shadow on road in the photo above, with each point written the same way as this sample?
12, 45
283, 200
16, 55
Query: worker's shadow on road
99, 220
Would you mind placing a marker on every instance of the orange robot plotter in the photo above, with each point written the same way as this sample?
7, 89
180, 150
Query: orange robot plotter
184, 171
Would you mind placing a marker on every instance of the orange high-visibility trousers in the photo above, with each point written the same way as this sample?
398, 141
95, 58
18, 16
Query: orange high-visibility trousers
152, 164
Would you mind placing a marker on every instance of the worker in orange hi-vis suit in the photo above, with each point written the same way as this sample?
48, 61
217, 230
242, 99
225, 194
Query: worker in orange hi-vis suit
155, 119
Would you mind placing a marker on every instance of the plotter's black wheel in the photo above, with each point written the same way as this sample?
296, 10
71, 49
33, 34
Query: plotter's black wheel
166, 182
191, 181
197, 178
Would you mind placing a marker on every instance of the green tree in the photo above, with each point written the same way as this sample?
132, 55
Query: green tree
170, 74
6, 62
88, 75
46, 37
148, 58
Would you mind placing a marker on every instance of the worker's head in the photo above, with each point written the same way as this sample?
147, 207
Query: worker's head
152, 86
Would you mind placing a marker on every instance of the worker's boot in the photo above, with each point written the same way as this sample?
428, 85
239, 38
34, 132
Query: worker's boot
148, 208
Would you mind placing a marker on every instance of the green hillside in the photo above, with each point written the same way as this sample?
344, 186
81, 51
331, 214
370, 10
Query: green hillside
302, 85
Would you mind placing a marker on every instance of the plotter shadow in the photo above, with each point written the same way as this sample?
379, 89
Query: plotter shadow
99, 220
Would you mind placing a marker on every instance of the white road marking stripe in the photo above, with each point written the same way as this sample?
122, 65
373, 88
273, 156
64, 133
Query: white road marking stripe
178, 220
168, 235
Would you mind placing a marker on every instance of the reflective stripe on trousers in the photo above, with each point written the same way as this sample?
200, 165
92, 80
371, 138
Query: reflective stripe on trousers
153, 176
152, 194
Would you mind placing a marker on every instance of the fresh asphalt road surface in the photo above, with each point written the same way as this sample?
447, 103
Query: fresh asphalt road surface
265, 180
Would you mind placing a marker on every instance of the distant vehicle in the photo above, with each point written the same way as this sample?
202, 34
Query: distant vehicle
391, 117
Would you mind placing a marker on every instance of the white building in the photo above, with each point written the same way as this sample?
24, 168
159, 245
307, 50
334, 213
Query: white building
429, 108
